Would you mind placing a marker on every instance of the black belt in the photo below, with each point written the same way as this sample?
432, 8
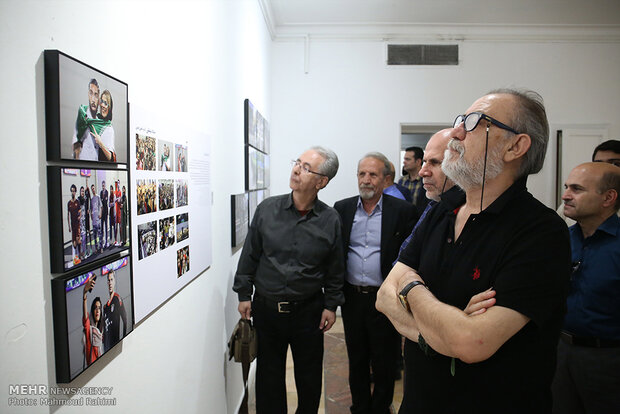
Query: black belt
363, 289
285, 306
589, 342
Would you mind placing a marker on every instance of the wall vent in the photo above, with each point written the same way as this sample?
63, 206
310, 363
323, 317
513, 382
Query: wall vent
423, 55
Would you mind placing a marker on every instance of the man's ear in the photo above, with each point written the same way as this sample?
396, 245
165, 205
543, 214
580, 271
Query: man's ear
609, 197
518, 147
322, 183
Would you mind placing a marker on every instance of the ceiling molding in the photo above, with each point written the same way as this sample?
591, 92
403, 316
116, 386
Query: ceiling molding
404, 32
265, 7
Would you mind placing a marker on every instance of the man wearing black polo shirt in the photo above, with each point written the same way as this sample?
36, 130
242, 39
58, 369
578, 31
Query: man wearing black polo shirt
588, 374
293, 260
373, 227
495, 236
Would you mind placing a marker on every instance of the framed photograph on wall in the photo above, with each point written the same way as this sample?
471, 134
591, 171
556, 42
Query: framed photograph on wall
239, 218
92, 311
88, 216
86, 112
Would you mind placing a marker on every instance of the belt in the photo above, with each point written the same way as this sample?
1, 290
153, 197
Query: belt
589, 342
285, 306
363, 289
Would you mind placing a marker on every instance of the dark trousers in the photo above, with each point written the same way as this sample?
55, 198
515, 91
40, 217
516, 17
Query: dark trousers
587, 380
373, 342
276, 331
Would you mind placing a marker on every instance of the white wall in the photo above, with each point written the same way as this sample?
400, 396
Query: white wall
185, 60
352, 102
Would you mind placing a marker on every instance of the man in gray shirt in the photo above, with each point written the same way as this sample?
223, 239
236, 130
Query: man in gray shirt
292, 261
95, 211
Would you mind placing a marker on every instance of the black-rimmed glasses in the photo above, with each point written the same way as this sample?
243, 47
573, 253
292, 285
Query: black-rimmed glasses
471, 120
305, 167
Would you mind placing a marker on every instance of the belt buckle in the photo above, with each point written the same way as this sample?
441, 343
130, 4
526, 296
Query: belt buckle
281, 310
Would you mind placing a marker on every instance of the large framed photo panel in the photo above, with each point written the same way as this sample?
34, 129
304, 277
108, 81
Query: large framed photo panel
93, 311
89, 216
87, 117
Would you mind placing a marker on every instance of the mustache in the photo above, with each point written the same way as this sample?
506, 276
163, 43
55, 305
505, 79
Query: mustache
366, 187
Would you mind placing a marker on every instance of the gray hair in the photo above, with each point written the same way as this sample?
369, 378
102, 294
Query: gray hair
529, 117
329, 167
378, 156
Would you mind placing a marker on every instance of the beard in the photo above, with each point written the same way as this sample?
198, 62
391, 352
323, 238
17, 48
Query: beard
469, 174
367, 192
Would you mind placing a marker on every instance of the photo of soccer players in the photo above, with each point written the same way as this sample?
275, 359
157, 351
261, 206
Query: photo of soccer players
99, 310
145, 153
89, 231
181, 193
182, 226
180, 153
166, 232
166, 194
146, 191
182, 260
147, 239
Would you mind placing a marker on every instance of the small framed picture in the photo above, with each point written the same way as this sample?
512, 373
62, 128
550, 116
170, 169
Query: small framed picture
86, 112
93, 311
88, 216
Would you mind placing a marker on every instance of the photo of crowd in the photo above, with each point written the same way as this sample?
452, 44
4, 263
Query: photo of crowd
166, 232
182, 226
181, 158
166, 194
95, 214
145, 153
99, 312
165, 159
146, 193
181, 193
147, 239
182, 261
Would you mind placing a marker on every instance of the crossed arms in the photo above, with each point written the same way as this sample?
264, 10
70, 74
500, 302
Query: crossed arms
471, 335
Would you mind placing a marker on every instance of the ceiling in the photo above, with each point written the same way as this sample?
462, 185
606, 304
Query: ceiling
401, 17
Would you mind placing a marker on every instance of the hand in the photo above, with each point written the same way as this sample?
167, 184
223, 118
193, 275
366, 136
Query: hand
90, 283
327, 320
245, 309
479, 303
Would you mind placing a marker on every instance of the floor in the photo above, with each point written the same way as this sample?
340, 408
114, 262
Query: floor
336, 397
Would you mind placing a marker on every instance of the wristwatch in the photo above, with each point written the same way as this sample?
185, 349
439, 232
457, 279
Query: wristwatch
402, 296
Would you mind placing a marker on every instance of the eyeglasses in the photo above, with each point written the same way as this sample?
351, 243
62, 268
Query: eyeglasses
304, 167
613, 161
104, 103
471, 121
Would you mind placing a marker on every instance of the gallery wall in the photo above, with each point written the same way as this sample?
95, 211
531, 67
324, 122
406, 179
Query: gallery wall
190, 62
352, 102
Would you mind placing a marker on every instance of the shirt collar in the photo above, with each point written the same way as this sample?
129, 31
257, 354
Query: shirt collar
378, 207
611, 225
316, 208
515, 190
454, 197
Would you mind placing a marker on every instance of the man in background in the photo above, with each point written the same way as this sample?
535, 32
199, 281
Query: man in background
411, 180
587, 379
374, 225
609, 152
395, 189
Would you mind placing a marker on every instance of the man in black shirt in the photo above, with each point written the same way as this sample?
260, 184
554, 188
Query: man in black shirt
293, 261
495, 236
